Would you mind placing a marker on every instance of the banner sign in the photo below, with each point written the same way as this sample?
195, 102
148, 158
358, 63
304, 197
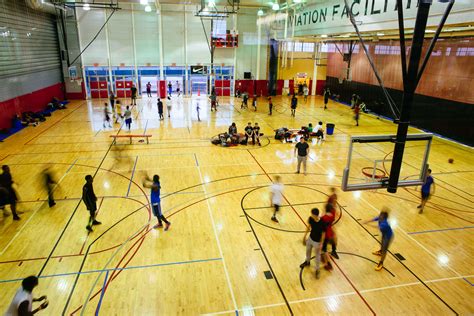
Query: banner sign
332, 17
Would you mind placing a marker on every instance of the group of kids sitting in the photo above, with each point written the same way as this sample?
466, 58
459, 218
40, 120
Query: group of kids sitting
288, 135
234, 138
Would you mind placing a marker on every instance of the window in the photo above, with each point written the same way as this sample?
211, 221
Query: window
308, 47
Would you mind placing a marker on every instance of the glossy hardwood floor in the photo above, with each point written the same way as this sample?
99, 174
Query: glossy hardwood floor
222, 243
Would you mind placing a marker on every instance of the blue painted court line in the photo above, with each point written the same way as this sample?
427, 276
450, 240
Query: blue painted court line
440, 230
72, 165
102, 293
472, 284
119, 269
146, 126
133, 172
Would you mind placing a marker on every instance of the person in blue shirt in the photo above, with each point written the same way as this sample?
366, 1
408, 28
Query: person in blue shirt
155, 187
426, 190
387, 236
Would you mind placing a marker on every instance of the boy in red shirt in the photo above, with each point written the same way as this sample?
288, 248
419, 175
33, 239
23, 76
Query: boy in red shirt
328, 220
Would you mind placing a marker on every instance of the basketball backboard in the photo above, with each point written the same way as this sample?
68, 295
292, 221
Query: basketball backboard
370, 158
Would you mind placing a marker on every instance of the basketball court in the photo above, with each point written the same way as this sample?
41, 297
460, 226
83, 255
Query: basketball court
223, 255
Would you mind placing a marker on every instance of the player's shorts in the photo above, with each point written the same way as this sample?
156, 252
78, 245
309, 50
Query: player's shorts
425, 195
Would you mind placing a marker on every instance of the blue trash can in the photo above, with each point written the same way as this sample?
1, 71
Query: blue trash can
330, 128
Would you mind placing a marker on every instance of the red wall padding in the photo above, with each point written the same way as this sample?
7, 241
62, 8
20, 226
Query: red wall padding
35, 102
320, 86
292, 86
245, 86
280, 84
262, 87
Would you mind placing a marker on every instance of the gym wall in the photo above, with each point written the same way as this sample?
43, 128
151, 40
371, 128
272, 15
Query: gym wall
30, 66
444, 101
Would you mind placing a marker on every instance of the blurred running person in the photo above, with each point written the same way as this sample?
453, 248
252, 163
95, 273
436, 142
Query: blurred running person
128, 117
22, 302
155, 187
49, 184
426, 191
276, 196
9, 193
317, 235
387, 236
270, 105
106, 116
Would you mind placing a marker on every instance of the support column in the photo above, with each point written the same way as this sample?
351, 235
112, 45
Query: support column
185, 83
160, 42
109, 62
134, 50
293, 36
316, 57
259, 35
234, 17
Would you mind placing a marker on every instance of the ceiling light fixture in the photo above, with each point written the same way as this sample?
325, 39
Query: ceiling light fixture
143, 2
86, 7
147, 8
324, 35
211, 3
275, 6
380, 34
260, 12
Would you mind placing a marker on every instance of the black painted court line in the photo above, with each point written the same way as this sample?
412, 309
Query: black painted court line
286, 205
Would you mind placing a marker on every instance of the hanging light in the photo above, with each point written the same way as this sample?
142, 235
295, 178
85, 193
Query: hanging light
86, 7
260, 12
143, 2
275, 6
147, 8
211, 3
296, 1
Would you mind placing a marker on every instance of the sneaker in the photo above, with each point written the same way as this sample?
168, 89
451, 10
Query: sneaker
96, 222
297, 172
274, 219
304, 264
317, 274
377, 253
89, 228
328, 266
379, 266
167, 226
419, 206
420, 211
16, 217
158, 226
334, 254
52, 204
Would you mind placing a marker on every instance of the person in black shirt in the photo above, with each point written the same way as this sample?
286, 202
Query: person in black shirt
256, 134
317, 228
303, 150
133, 90
294, 103
160, 109
326, 94
248, 132
232, 129
270, 105
49, 184
8, 194
148, 89
90, 200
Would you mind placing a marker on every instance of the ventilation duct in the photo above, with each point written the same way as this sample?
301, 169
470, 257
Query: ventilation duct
41, 5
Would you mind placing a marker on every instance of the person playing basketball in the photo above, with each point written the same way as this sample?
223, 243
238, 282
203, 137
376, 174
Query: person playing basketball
426, 191
277, 195
387, 236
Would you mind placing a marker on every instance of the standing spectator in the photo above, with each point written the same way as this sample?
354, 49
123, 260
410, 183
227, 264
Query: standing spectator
160, 109
213, 98
256, 134
294, 103
245, 98
426, 191
254, 102
270, 105
90, 200
148, 89
356, 113
387, 236
155, 200
128, 117
170, 88
305, 92
317, 235
22, 303
168, 107
303, 150
9, 193
277, 195
326, 94
248, 132
133, 90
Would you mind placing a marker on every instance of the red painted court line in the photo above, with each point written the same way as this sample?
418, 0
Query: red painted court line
353, 286
264, 171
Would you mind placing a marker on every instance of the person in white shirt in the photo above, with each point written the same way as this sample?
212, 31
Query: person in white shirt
319, 131
276, 196
22, 303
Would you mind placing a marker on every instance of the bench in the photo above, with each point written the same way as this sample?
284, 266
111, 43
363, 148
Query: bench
130, 136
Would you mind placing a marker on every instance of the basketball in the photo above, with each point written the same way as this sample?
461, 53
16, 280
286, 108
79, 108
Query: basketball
450, 160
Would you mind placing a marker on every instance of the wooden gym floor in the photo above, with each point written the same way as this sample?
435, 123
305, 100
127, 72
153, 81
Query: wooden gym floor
223, 254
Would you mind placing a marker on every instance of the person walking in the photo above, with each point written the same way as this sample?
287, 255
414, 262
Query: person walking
317, 228
106, 116
305, 92
303, 150
270, 105
426, 191
128, 117
118, 107
294, 103
276, 196
148, 89
254, 102
168, 107
155, 200
356, 113
9, 194
170, 88
213, 98
178, 90
22, 302
160, 109
112, 101
327, 92
49, 184
387, 236
90, 200
133, 91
